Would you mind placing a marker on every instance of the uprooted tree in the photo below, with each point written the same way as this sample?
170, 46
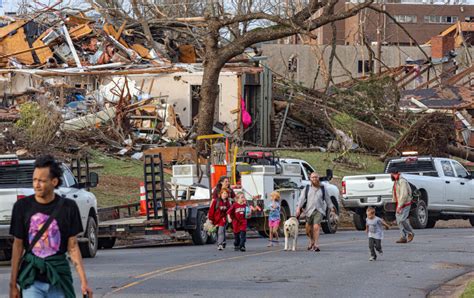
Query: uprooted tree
225, 29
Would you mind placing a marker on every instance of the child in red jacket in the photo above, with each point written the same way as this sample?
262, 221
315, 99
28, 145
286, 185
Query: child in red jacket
217, 214
236, 216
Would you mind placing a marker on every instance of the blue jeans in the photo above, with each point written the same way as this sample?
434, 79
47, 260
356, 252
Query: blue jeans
40, 289
404, 223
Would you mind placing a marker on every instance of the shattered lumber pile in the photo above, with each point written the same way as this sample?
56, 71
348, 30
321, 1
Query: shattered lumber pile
58, 39
368, 113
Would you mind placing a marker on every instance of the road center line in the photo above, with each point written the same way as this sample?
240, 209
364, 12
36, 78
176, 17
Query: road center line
183, 267
160, 272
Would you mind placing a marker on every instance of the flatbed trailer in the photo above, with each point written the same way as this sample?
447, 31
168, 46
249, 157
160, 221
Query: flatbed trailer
164, 213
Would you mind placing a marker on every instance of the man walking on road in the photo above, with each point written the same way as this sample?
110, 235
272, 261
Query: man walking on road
314, 201
45, 227
401, 195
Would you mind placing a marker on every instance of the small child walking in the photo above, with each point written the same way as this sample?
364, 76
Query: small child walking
274, 217
374, 228
217, 214
237, 216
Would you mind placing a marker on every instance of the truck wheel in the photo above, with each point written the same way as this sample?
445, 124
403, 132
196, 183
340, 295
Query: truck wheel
211, 239
198, 235
107, 243
431, 222
419, 216
329, 226
359, 221
89, 248
284, 215
6, 255
471, 220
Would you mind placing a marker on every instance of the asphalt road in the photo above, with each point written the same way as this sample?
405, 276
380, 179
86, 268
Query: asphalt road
341, 269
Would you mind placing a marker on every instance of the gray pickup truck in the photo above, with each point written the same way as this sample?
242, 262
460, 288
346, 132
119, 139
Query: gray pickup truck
443, 189
16, 182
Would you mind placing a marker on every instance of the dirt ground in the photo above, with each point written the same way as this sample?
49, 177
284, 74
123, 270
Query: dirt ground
117, 190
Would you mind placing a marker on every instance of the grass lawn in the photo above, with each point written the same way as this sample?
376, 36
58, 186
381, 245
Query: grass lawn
119, 180
469, 291
120, 177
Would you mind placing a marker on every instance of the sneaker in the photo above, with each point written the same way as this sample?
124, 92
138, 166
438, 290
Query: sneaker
380, 252
402, 240
410, 237
242, 248
220, 247
372, 259
316, 249
270, 244
236, 248
223, 245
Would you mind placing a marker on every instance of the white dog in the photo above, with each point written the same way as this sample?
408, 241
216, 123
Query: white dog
291, 228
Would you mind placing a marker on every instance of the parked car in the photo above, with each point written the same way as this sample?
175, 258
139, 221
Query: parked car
442, 189
16, 183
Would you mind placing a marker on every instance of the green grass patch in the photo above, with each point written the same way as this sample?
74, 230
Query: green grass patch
469, 291
356, 163
117, 167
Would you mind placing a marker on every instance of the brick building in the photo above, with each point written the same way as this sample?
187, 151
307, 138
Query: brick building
422, 20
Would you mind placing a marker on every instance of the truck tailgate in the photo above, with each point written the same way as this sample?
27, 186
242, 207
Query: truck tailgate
8, 198
368, 185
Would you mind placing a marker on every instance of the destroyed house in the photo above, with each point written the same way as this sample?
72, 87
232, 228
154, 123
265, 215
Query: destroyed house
240, 87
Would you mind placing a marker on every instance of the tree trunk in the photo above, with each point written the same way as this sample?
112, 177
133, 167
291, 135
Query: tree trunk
209, 94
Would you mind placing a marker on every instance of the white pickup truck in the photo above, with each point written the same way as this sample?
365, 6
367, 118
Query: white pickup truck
443, 189
16, 182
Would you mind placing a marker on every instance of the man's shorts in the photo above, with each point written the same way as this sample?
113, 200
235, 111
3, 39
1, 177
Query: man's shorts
315, 218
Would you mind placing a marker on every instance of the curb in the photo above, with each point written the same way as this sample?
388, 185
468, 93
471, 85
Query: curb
453, 288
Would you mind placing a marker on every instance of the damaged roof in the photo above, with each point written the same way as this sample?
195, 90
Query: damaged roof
447, 97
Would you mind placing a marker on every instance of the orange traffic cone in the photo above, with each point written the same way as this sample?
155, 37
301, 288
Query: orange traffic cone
142, 199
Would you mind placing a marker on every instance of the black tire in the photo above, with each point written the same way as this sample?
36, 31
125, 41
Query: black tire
419, 215
284, 215
198, 235
330, 225
6, 255
212, 238
431, 222
107, 243
89, 248
471, 220
359, 221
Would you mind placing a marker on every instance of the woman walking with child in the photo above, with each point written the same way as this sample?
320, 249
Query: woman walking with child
218, 215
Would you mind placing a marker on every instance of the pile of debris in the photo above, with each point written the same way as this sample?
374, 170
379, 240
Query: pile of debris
59, 39
371, 115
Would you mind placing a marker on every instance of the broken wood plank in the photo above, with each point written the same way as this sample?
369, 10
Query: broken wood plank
15, 43
4, 31
119, 32
171, 154
80, 31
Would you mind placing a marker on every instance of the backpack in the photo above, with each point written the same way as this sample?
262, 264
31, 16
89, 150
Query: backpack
306, 191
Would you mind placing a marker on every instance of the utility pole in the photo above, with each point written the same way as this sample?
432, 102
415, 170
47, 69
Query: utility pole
379, 40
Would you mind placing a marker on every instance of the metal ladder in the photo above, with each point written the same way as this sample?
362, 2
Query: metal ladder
154, 187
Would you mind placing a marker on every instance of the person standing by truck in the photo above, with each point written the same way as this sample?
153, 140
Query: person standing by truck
218, 216
401, 195
314, 201
45, 227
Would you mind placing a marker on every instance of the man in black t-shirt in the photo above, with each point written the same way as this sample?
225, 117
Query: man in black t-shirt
45, 271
